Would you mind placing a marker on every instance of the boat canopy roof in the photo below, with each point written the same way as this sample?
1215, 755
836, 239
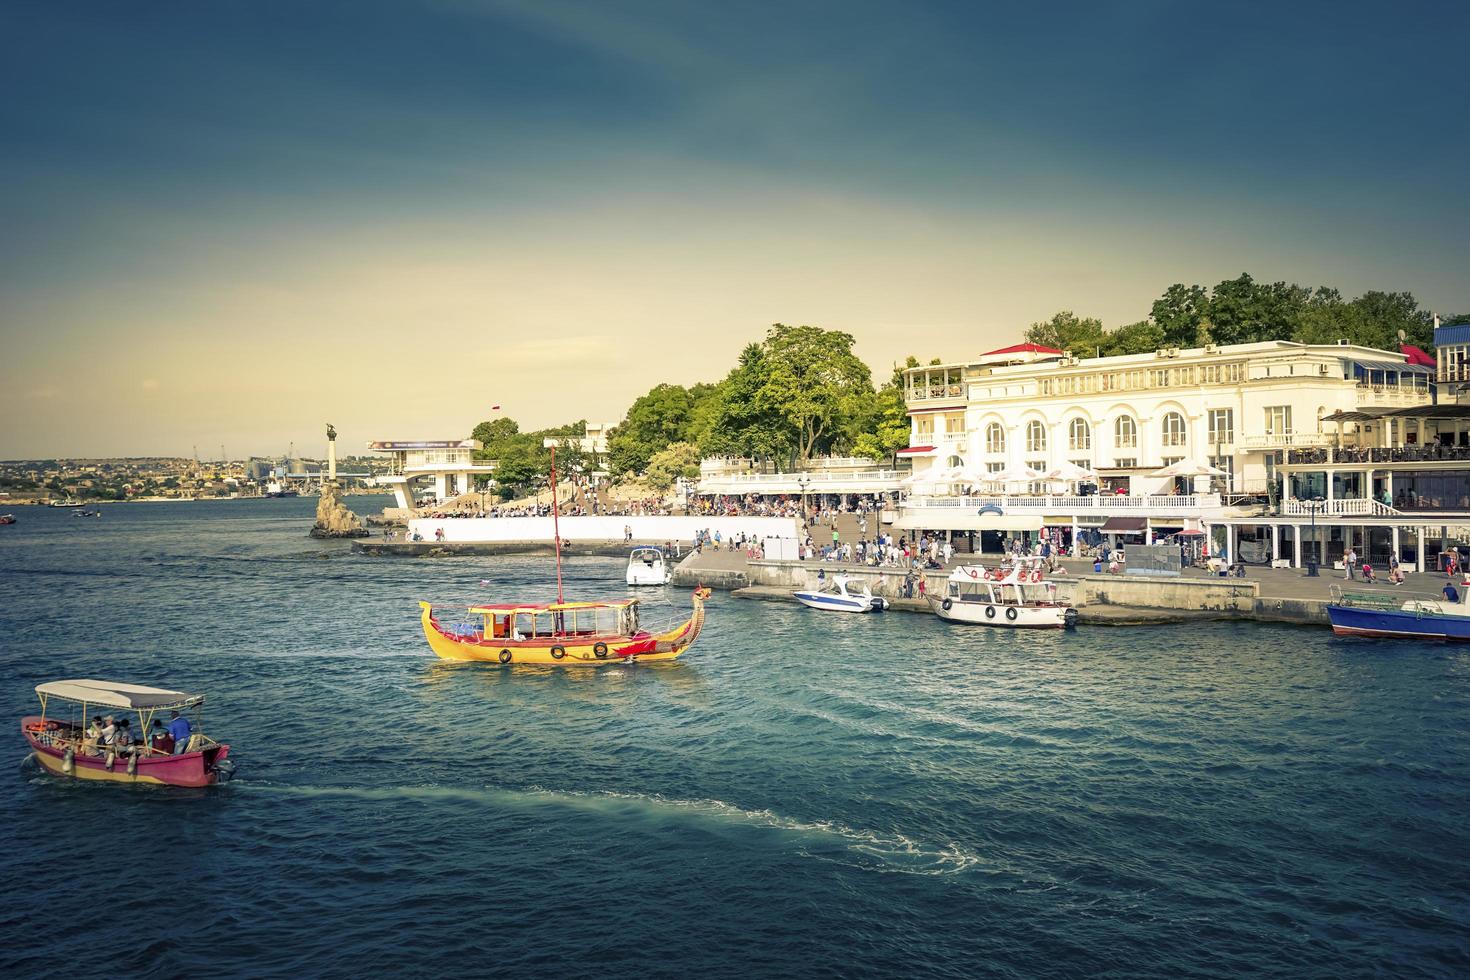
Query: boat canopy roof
522, 607
114, 694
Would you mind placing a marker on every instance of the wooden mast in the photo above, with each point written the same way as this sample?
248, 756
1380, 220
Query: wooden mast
556, 526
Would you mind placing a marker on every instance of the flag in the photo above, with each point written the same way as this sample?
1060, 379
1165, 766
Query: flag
494, 408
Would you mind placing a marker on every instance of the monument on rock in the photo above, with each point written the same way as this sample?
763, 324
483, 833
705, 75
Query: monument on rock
333, 519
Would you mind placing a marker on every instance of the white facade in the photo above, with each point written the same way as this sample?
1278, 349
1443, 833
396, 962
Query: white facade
448, 465
1237, 407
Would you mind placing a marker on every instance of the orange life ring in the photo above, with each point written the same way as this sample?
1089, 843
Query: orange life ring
972, 574
1036, 575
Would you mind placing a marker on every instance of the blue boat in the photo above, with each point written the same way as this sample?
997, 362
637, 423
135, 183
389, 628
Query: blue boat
1376, 614
836, 597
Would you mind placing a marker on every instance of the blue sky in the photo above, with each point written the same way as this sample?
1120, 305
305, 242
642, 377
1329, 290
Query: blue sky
230, 216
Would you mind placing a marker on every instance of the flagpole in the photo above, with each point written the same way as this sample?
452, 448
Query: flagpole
556, 526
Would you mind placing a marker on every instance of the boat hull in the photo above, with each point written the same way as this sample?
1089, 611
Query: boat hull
836, 603
644, 576
1391, 623
566, 651
192, 769
1002, 615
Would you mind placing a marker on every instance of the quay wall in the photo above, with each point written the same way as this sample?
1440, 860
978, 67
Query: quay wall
1114, 599
656, 529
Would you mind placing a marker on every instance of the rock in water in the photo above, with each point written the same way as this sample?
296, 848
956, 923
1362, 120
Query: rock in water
333, 519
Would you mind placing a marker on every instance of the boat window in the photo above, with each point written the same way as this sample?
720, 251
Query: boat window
523, 624
632, 619
545, 624
500, 625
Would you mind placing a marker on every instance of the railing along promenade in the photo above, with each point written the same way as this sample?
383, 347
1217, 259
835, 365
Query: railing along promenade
814, 480
1056, 503
1347, 507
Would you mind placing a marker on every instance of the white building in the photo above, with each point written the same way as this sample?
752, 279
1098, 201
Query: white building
433, 469
1258, 412
593, 446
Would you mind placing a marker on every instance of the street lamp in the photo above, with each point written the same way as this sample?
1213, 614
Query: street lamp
1315, 504
803, 481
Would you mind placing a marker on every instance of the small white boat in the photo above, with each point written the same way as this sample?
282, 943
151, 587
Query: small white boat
835, 596
1018, 597
647, 566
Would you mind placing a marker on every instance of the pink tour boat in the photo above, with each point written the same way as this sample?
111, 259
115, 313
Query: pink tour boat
64, 744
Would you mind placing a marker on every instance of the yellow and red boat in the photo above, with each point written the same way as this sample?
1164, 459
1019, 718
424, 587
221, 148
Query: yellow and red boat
580, 633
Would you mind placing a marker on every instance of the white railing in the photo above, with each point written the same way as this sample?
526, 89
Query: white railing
1105, 502
1288, 440
954, 436
1355, 506
813, 480
1380, 395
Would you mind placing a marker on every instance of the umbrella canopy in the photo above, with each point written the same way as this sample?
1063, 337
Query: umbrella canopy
1014, 474
1070, 473
922, 476
1189, 467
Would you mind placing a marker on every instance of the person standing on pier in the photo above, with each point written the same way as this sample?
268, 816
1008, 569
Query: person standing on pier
1348, 560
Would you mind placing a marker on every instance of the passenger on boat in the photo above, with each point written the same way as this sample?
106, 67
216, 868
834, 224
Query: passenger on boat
162, 741
180, 729
109, 733
1451, 594
92, 736
122, 741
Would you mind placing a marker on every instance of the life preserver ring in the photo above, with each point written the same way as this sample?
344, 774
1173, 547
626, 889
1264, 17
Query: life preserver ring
1011, 614
1036, 575
972, 574
68, 760
599, 650
948, 604
558, 651
505, 656
989, 612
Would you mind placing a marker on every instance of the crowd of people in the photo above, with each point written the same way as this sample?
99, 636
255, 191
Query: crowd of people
109, 736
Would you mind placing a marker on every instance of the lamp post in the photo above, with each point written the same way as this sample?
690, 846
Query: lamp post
1315, 504
803, 481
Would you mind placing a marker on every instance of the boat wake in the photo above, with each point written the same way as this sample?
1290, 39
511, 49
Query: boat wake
821, 840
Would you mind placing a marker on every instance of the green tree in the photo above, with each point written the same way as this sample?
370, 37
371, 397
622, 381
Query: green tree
883, 429
668, 464
655, 421
1179, 313
1082, 335
1142, 337
739, 425
814, 382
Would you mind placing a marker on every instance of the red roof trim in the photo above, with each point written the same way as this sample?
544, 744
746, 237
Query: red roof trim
911, 450
1024, 349
943, 408
1416, 355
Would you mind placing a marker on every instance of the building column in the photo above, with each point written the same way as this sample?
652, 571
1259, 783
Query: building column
1421, 431
1330, 474
1388, 484
1419, 551
1296, 545
1275, 542
1393, 537
1148, 530
1074, 534
1230, 543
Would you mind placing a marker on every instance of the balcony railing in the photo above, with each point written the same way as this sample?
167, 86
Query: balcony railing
1287, 440
1368, 454
1056, 503
936, 391
1353, 507
814, 480
953, 436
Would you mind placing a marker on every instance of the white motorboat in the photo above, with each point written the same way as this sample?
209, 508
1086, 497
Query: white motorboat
647, 566
835, 596
1017, 596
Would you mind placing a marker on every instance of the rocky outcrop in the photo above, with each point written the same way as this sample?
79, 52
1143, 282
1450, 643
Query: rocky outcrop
333, 519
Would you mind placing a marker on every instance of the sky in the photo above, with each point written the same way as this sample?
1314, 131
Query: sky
224, 223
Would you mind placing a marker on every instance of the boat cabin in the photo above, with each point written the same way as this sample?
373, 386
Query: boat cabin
511, 621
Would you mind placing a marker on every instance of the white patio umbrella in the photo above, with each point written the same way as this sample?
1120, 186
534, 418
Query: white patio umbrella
1189, 467
1070, 473
1014, 474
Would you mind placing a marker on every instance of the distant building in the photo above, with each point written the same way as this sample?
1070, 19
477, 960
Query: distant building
593, 445
1452, 356
442, 468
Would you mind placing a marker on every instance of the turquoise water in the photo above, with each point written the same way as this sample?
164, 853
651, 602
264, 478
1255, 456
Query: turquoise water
802, 794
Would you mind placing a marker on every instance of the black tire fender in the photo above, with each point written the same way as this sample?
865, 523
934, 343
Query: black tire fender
1011, 614
989, 612
599, 650
505, 656
558, 651
948, 604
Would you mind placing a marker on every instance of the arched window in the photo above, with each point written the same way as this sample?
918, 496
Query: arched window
955, 463
1125, 432
1174, 429
1035, 437
995, 439
1079, 434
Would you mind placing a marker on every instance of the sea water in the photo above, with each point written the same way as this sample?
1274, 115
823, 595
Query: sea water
803, 793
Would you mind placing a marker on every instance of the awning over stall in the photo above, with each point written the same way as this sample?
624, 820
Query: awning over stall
1123, 525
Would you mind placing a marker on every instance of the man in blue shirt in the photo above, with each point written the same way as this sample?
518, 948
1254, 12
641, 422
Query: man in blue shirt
1450, 593
180, 729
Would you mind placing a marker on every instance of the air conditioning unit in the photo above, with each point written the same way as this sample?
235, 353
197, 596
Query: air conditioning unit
1167, 352
1211, 349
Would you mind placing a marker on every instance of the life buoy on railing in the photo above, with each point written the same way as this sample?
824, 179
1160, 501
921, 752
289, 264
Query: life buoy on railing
948, 604
599, 650
989, 612
1036, 575
558, 651
505, 656
972, 574
1011, 614
68, 760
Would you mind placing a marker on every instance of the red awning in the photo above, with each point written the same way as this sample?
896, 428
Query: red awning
1023, 349
915, 450
1415, 355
